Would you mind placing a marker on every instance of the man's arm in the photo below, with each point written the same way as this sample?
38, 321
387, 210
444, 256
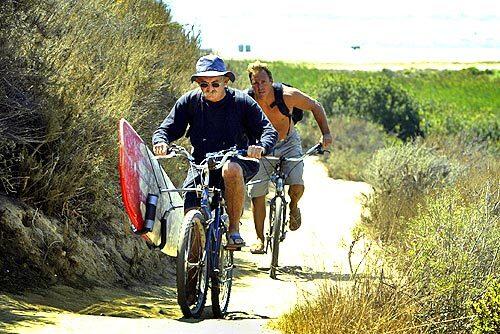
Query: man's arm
303, 101
173, 126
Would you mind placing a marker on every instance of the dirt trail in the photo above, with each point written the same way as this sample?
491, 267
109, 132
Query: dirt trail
316, 251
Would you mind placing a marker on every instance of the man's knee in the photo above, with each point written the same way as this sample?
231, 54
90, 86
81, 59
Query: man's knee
232, 171
296, 190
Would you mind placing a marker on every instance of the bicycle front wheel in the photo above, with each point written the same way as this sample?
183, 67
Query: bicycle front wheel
277, 221
192, 265
222, 280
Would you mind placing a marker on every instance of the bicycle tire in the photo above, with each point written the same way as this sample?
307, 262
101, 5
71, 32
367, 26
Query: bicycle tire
268, 237
276, 235
222, 283
192, 266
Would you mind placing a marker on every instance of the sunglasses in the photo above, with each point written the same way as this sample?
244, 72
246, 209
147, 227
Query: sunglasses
213, 84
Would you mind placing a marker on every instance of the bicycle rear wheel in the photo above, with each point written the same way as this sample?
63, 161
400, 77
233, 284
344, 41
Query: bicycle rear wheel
277, 221
222, 280
192, 265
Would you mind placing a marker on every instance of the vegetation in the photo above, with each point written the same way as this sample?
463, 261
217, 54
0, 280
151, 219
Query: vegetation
434, 231
365, 307
354, 142
71, 70
433, 220
379, 100
444, 101
486, 310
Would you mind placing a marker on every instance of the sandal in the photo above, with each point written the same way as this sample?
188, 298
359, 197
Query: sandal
295, 219
235, 241
258, 247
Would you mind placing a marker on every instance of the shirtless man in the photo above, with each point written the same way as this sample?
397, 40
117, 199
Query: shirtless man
289, 145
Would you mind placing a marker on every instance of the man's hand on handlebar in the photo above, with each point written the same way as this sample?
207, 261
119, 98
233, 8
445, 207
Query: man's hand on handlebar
161, 149
326, 140
255, 151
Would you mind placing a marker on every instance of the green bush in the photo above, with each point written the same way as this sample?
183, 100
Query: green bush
355, 141
457, 101
486, 310
378, 99
448, 102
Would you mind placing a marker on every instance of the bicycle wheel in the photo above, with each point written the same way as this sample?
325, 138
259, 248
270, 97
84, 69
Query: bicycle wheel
277, 222
222, 280
192, 265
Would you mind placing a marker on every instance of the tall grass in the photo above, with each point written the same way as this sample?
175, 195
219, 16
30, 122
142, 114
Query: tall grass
101, 60
440, 239
365, 307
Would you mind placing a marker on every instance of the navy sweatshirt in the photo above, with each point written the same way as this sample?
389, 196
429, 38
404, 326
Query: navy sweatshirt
213, 126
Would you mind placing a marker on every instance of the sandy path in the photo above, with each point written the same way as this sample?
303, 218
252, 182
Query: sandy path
330, 209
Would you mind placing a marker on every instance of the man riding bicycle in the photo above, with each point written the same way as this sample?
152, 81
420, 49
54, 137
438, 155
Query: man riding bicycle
289, 145
219, 118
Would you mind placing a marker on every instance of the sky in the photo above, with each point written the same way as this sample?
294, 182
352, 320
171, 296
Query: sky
326, 30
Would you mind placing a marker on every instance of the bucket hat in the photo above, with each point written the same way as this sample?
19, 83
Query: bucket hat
211, 66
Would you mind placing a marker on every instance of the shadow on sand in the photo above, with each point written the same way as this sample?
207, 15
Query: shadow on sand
13, 312
146, 301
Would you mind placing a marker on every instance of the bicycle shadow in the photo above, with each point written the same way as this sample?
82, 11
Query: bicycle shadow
230, 316
306, 274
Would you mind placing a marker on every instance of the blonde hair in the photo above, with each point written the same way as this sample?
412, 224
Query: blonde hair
256, 67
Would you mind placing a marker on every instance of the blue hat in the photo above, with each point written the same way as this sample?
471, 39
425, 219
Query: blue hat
211, 66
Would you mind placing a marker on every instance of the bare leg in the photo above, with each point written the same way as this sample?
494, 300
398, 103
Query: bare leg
259, 215
234, 194
295, 192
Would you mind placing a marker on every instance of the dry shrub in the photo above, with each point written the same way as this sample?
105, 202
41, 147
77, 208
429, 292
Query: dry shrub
438, 240
102, 60
365, 307
402, 176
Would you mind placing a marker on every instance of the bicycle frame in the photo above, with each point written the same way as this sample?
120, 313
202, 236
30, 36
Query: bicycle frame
278, 178
214, 227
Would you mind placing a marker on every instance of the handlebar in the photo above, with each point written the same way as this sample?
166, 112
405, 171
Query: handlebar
316, 149
214, 160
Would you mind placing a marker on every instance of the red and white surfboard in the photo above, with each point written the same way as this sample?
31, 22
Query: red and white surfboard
140, 175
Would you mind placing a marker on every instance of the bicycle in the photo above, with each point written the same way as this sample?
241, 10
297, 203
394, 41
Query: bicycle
277, 227
201, 252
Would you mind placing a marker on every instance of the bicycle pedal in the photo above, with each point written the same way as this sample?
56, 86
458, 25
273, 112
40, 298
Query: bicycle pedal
233, 248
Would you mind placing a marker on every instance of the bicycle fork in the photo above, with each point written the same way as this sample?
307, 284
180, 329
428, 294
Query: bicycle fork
280, 192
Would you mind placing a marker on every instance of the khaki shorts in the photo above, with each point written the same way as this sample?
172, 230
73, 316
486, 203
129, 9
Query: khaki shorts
290, 147
191, 200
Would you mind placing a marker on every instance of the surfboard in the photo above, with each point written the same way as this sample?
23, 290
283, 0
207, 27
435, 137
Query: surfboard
141, 175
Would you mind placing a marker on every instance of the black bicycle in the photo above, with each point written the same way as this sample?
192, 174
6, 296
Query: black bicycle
278, 224
202, 256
